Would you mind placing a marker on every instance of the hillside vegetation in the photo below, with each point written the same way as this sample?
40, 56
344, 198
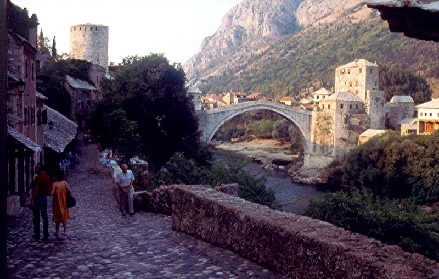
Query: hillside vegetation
296, 63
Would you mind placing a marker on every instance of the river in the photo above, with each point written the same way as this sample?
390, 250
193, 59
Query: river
293, 197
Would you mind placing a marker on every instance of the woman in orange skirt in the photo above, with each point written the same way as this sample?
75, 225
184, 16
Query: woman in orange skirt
60, 210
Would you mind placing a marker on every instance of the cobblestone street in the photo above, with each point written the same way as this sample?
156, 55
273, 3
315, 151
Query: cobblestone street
103, 244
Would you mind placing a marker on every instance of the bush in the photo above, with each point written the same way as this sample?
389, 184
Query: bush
403, 224
182, 171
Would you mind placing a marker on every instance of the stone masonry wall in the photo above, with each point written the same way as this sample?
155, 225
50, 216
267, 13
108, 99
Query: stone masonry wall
297, 246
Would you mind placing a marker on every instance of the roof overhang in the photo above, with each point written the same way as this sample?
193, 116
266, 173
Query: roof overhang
27, 142
61, 133
409, 17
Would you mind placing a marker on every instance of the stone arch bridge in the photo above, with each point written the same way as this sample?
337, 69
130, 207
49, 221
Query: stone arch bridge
211, 120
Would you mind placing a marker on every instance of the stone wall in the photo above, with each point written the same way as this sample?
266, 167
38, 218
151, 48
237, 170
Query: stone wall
297, 246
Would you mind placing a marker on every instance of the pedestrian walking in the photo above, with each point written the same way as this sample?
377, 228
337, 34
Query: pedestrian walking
124, 180
39, 202
61, 212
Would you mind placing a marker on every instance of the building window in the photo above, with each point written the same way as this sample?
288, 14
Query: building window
341, 106
26, 116
421, 114
25, 68
88, 102
96, 29
39, 117
32, 115
360, 70
79, 28
350, 106
370, 70
431, 114
91, 28
350, 83
44, 117
349, 71
329, 106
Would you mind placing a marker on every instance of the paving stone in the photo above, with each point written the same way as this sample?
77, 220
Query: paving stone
103, 244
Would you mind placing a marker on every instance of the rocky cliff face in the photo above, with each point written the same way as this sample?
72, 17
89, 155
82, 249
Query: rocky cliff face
249, 28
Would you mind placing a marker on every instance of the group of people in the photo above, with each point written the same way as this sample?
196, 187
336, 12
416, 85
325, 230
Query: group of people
57, 187
45, 186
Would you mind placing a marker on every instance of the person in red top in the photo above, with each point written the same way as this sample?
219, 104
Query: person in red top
39, 201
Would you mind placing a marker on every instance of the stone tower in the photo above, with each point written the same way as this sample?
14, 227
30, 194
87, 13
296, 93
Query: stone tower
361, 77
90, 42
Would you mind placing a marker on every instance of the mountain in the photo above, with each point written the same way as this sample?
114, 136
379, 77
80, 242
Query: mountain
251, 26
284, 47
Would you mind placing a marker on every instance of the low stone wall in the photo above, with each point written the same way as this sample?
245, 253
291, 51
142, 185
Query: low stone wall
297, 246
160, 200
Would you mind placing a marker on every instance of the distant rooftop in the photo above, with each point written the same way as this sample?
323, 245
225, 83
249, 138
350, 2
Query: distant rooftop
358, 62
433, 104
343, 97
401, 99
79, 84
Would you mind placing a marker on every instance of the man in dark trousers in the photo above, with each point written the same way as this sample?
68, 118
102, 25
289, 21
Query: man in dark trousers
39, 201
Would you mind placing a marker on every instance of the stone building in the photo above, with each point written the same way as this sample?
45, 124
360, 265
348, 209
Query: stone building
195, 94
82, 95
398, 109
361, 77
340, 118
90, 42
338, 122
24, 115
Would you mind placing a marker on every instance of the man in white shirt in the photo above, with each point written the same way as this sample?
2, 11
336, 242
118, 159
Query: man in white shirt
124, 180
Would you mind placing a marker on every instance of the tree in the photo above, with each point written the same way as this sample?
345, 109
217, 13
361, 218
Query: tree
42, 43
19, 20
396, 81
280, 130
152, 95
51, 81
54, 53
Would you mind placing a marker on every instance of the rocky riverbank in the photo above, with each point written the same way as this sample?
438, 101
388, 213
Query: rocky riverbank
269, 153
265, 151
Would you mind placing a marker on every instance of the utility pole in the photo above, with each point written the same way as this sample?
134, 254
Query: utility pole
3, 133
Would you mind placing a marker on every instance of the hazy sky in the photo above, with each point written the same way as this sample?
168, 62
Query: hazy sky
173, 27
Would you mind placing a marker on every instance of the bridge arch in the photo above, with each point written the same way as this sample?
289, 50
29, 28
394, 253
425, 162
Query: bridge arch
301, 119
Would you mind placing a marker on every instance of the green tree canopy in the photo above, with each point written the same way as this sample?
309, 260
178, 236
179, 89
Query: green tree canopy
151, 95
51, 81
397, 81
19, 20
43, 46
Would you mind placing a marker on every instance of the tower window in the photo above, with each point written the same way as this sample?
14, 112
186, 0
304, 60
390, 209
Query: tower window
341, 106
360, 70
349, 72
329, 106
356, 106
370, 70
350, 106
79, 28
96, 29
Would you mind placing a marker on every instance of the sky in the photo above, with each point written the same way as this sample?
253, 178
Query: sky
136, 27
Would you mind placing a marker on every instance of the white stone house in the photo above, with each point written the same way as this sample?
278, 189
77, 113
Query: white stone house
428, 117
321, 94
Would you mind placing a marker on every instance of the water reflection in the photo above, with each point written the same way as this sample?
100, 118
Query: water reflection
293, 197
